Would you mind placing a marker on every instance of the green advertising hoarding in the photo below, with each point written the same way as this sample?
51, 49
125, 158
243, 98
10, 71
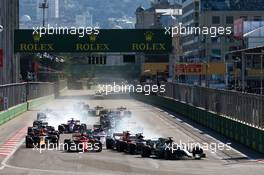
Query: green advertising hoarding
108, 40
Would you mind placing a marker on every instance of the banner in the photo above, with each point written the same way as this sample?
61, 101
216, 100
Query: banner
188, 68
200, 69
108, 40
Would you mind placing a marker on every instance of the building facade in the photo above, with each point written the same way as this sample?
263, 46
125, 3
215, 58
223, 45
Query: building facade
215, 13
9, 61
161, 14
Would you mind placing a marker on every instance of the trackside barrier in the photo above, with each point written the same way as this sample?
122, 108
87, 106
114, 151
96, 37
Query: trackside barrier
27, 96
12, 113
39, 101
244, 107
242, 133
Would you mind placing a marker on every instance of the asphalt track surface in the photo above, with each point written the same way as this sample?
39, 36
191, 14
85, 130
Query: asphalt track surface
152, 121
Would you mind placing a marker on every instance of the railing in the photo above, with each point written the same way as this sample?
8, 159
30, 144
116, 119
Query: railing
14, 94
244, 107
36, 90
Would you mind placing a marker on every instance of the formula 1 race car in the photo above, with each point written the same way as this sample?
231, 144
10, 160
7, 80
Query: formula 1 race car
123, 112
41, 116
124, 142
91, 113
72, 126
107, 122
98, 95
82, 143
40, 135
135, 145
164, 148
98, 109
103, 112
99, 133
39, 123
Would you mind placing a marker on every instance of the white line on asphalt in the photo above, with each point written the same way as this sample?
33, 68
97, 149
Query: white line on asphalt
178, 119
3, 163
172, 116
188, 125
164, 121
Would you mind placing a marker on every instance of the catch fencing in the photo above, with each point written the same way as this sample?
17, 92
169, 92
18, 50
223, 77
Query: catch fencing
243, 107
14, 94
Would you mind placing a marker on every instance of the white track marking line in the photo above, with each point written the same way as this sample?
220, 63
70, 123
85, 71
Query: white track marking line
14, 147
3, 163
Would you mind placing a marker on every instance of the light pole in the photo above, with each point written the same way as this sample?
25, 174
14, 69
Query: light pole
43, 5
206, 73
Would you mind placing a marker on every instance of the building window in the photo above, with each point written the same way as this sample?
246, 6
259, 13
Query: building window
129, 59
97, 60
138, 20
100, 60
229, 20
196, 16
89, 60
196, 5
216, 20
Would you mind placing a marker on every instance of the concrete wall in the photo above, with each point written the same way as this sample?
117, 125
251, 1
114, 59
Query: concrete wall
244, 134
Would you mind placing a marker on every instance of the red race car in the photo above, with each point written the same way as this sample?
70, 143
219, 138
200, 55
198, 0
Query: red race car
82, 143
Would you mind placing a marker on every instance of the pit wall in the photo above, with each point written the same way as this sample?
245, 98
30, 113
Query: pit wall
15, 111
239, 132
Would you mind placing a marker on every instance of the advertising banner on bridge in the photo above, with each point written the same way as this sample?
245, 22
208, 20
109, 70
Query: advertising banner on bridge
200, 68
107, 40
190, 68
